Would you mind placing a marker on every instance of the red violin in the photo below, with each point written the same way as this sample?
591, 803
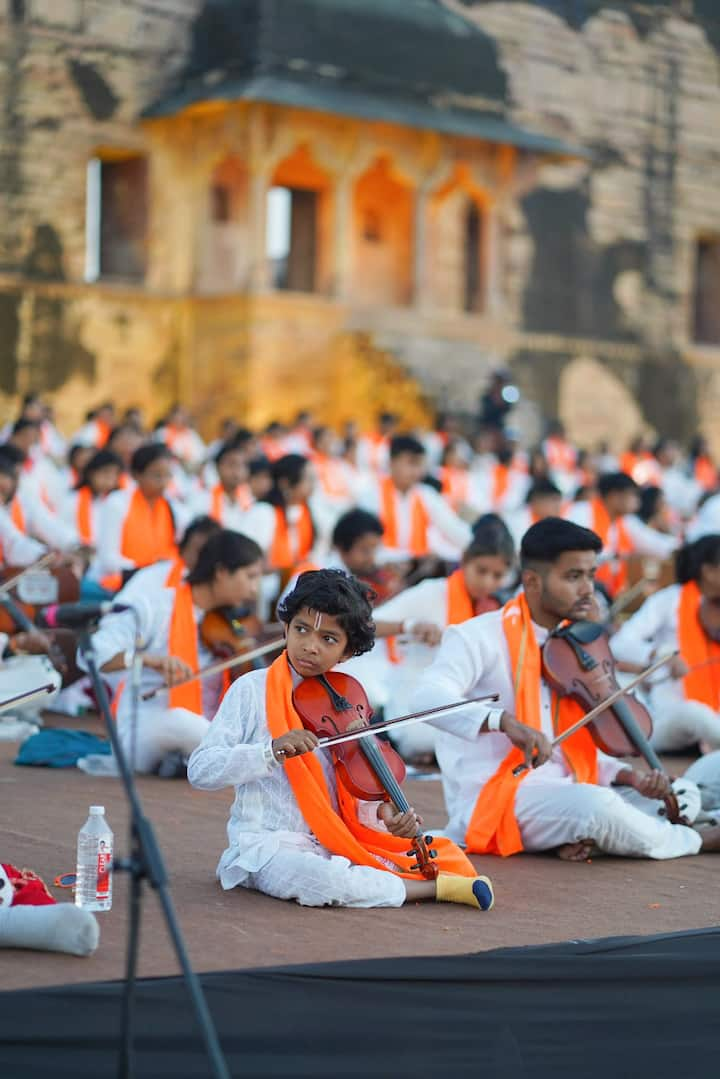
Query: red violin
368, 768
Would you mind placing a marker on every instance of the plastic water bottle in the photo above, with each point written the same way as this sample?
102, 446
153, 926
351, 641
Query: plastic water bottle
93, 887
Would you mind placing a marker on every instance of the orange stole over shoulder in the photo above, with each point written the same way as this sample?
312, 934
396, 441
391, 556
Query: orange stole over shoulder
455, 485
500, 483
282, 555
17, 515
83, 515
460, 606
217, 500
695, 648
182, 641
615, 579
342, 833
148, 536
148, 533
493, 828
419, 519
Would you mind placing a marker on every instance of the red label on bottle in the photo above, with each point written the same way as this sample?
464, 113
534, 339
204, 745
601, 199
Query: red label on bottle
104, 865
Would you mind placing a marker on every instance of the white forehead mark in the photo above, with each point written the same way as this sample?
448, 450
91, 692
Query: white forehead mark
318, 620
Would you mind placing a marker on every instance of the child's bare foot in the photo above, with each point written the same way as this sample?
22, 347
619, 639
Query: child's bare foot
576, 852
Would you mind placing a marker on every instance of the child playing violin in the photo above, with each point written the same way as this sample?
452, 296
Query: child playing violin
291, 832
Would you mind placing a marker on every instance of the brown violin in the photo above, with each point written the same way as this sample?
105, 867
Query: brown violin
367, 767
233, 631
577, 662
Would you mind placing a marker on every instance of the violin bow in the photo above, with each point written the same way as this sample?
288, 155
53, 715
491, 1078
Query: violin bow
218, 668
603, 706
7, 586
408, 720
27, 697
690, 670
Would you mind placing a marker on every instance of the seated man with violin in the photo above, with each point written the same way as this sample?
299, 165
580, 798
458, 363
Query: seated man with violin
684, 618
575, 798
167, 618
298, 829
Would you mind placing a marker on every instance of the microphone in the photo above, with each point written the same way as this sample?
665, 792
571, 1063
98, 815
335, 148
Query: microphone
77, 615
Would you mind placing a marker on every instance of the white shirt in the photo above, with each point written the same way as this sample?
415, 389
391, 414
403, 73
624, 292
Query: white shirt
43, 524
648, 634
17, 548
707, 521
474, 660
645, 540
444, 524
259, 524
232, 513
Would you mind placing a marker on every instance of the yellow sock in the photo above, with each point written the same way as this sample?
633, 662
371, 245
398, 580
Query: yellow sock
471, 891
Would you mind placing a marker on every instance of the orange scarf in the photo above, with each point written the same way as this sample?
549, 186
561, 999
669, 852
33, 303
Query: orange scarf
182, 640
500, 483
341, 833
614, 577
331, 476
697, 648
217, 503
493, 828
419, 519
705, 473
83, 516
455, 485
104, 431
282, 555
460, 606
376, 444
559, 454
17, 515
148, 533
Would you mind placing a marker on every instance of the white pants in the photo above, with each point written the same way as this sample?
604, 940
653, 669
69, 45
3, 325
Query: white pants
316, 878
551, 814
161, 731
678, 724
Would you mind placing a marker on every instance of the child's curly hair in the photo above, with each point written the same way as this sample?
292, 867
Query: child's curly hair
331, 591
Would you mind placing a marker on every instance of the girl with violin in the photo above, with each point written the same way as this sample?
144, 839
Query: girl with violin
168, 612
576, 797
81, 510
684, 618
296, 829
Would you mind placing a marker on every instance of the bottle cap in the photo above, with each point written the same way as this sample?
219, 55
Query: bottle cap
97, 811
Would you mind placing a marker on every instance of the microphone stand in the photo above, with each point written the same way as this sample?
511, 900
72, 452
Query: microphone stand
146, 863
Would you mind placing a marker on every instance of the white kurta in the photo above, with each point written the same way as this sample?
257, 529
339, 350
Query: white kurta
160, 730
17, 548
550, 807
109, 558
448, 534
648, 634
707, 520
232, 513
270, 846
645, 540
